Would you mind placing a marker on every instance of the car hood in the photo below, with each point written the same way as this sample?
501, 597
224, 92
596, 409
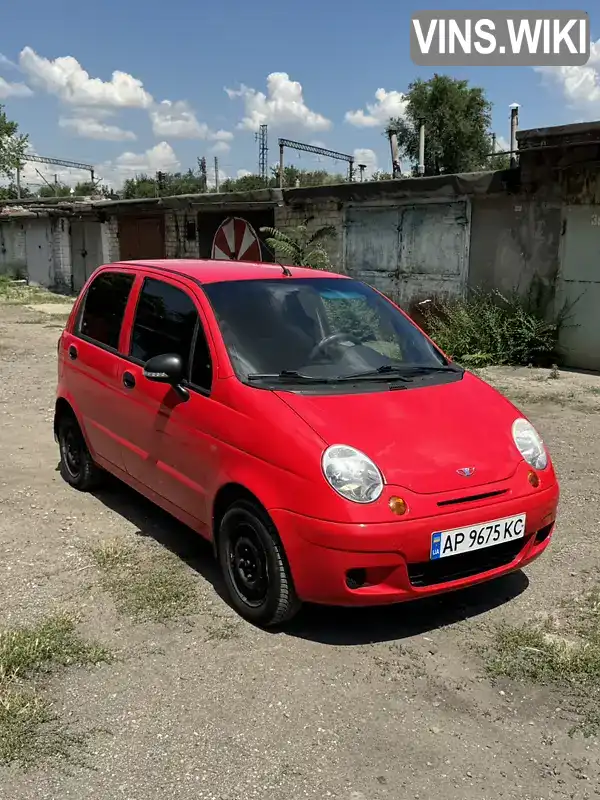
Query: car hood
420, 437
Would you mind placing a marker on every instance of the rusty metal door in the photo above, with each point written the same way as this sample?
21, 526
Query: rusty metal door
578, 287
411, 251
372, 246
434, 251
141, 237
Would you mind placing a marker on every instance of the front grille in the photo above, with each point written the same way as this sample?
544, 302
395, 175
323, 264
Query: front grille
453, 568
472, 498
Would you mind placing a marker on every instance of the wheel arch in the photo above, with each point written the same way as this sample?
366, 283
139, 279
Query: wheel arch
228, 494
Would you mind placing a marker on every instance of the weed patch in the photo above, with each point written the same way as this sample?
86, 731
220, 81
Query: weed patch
147, 583
29, 730
542, 654
488, 328
21, 293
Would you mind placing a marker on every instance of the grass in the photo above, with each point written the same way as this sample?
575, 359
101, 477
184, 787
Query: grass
541, 653
29, 730
146, 583
23, 294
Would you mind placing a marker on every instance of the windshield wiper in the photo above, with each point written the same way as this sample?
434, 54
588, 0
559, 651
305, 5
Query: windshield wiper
385, 372
289, 375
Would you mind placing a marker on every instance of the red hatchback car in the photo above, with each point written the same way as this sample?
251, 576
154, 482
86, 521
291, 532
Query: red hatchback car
306, 426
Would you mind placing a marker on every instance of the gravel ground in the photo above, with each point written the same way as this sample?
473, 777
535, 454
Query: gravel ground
377, 704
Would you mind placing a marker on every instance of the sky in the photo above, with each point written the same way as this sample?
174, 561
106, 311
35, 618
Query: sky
133, 86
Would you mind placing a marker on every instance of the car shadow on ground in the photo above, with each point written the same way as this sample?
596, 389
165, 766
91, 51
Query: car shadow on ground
326, 625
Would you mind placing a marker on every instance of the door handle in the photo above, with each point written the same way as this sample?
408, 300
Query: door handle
72, 352
128, 380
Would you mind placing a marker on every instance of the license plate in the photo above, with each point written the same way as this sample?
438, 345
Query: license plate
465, 540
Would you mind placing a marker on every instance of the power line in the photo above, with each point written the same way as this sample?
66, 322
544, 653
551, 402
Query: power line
311, 148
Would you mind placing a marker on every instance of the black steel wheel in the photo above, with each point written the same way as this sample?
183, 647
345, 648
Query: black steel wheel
254, 566
76, 465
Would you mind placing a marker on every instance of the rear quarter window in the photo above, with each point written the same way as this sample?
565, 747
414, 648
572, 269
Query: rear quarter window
104, 308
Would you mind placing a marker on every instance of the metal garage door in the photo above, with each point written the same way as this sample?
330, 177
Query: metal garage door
86, 250
141, 237
578, 287
38, 249
411, 251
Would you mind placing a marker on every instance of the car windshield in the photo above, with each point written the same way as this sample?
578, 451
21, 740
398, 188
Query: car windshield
326, 329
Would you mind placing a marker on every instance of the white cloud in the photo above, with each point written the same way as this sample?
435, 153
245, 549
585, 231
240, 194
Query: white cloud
386, 106
363, 155
580, 86
176, 120
243, 173
6, 62
220, 148
92, 128
66, 78
161, 158
13, 89
282, 105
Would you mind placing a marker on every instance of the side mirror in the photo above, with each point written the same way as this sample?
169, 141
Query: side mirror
167, 368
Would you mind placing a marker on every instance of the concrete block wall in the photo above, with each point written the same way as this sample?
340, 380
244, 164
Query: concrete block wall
325, 213
61, 255
177, 245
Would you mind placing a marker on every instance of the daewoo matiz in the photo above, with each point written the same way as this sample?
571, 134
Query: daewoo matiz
306, 426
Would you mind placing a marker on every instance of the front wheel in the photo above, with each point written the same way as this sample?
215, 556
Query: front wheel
255, 567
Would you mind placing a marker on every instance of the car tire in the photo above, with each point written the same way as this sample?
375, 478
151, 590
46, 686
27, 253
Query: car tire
77, 467
255, 567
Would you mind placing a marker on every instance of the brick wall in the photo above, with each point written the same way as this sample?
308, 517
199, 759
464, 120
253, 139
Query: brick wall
177, 245
324, 213
61, 254
110, 240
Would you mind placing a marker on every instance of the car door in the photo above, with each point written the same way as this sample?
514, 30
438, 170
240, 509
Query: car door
92, 353
169, 446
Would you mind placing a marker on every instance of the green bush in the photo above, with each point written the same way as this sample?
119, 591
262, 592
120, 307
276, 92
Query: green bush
489, 328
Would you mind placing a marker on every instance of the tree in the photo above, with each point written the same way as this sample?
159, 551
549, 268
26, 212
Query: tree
54, 190
10, 192
457, 119
299, 247
12, 146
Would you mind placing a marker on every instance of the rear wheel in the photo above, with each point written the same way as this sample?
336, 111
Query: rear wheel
254, 566
76, 465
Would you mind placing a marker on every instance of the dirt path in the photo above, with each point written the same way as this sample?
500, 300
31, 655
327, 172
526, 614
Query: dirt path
378, 704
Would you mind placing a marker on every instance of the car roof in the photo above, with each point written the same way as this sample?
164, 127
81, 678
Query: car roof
209, 271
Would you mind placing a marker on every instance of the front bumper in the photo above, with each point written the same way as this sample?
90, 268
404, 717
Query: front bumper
389, 562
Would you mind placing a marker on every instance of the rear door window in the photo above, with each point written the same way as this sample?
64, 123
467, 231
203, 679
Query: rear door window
165, 322
104, 308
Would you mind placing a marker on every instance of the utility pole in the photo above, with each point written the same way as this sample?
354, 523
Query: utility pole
202, 167
514, 124
281, 146
263, 151
421, 166
18, 183
362, 168
216, 174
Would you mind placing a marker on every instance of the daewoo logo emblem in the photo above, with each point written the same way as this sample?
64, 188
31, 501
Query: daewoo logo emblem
466, 472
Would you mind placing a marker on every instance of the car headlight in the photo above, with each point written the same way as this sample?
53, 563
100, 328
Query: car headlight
529, 443
352, 474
